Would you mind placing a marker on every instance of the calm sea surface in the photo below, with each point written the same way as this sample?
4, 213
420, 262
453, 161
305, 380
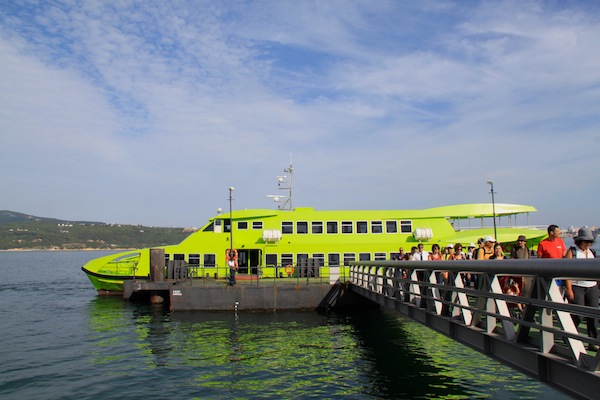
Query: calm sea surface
60, 340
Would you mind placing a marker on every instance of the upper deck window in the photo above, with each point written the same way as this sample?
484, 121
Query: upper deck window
316, 227
376, 227
332, 227
380, 256
242, 225
391, 226
361, 227
346, 226
257, 225
287, 227
302, 227
405, 226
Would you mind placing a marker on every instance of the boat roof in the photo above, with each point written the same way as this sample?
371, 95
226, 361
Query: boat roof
459, 211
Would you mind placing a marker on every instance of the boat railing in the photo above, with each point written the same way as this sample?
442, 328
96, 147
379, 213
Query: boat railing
516, 227
122, 267
298, 273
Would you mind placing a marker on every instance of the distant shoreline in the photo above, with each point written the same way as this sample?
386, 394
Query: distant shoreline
85, 249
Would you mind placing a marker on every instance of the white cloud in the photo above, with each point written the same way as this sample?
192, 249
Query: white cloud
146, 113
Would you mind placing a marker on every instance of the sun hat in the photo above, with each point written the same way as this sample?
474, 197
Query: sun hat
489, 239
585, 233
449, 246
521, 237
472, 245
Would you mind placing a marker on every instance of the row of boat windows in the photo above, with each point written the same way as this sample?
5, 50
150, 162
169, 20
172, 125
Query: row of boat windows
332, 227
348, 227
272, 259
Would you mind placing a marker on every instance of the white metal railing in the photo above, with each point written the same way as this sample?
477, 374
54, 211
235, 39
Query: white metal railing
471, 292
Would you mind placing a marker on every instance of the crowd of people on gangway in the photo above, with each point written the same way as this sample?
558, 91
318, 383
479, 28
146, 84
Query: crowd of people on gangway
581, 292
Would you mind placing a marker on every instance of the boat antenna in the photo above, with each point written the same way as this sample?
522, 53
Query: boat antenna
285, 183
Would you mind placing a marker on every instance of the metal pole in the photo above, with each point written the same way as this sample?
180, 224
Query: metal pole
231, 189
491, 183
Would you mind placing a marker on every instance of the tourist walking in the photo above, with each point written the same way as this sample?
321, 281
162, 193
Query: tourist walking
521, 251
457, 254
420, 254
498, 252
583, 292
471, 252
435, 253
553, 246
487, 249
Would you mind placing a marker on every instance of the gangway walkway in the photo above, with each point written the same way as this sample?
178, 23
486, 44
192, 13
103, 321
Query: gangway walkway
533, 332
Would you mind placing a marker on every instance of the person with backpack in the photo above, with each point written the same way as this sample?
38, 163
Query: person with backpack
582, 292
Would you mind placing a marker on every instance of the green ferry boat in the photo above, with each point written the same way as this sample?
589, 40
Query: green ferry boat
272, 243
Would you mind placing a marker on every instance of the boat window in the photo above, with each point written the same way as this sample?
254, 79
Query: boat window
364, 256
287, 259
406, 226
257, 225
210, 260
209, 228
391, 226
380, 256
361, 227
319, 258
346, 226
349, 257
376, 227
333, 259
179, 257
287, 227
227, 227
270, 260
302, 227
332, 227
194, 259
242, 225
167, 256
316, 227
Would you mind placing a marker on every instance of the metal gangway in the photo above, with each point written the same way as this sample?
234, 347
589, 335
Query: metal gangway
532, 332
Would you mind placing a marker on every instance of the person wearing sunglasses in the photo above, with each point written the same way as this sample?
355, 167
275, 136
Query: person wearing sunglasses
582, 292
521, 251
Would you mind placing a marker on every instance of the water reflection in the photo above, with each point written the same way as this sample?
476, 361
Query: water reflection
370, 354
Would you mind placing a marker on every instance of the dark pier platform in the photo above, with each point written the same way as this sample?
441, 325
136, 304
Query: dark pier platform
217, 295
183, 289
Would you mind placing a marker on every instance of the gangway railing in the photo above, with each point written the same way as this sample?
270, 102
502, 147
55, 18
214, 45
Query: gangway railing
533, 332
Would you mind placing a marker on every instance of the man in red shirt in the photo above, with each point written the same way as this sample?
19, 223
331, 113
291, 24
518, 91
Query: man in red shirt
553, 246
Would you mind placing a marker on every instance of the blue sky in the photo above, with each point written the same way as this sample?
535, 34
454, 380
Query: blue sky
145, 112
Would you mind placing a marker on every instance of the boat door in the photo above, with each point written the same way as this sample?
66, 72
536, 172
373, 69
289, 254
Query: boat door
249, 261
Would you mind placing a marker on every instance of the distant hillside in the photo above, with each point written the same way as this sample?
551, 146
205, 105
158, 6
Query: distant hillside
23, 231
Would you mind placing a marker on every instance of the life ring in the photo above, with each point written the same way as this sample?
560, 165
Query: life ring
228, 257
289, 269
